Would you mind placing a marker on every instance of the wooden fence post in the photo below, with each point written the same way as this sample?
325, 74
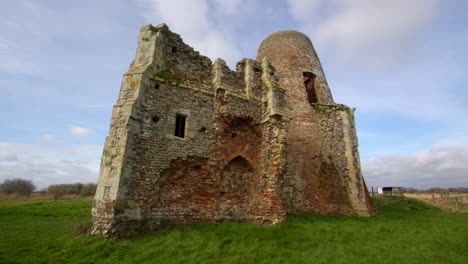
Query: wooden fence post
457, 204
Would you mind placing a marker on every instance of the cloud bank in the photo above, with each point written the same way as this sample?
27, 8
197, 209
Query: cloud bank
48, 165
376, 33
437, 167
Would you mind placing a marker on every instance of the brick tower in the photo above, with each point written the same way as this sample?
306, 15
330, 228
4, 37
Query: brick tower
323, 166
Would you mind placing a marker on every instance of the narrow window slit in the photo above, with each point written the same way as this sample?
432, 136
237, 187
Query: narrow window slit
309, 82
180, 126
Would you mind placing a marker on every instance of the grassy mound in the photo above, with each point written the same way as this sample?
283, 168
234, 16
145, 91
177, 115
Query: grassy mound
402, 205
404, 231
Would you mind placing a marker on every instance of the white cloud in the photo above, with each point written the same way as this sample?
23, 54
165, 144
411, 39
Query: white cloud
49, 139
437, 167
49, 165
304, 10
81, 131
195, 21
7, 156
376, 33
5, 44
229, 6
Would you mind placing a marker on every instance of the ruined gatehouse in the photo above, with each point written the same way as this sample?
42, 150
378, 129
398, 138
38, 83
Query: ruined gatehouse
192, 141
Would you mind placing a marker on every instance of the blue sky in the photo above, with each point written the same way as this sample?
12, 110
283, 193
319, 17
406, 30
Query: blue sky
401, 63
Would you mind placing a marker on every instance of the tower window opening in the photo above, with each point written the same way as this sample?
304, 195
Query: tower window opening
180, 126
309, 82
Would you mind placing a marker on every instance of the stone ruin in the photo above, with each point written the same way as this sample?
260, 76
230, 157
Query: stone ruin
192, 141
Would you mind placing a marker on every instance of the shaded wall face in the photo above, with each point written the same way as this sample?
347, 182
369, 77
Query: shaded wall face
213, 175
183, 180
190, 179
214, 172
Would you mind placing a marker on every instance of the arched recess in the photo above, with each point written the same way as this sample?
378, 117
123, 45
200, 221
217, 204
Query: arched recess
240, 125
241, 149
235, 188
240, 136
310, 85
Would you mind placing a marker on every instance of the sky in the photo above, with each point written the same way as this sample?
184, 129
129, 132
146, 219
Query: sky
402, 63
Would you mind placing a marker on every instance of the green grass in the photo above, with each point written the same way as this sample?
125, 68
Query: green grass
404, 231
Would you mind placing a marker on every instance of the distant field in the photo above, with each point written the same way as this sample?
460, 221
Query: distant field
449, 201
404, 231
435, 195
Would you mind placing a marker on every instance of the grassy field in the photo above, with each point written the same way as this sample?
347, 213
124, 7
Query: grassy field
404, 231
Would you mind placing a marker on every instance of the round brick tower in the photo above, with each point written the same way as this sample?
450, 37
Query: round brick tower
299, 69
294, 57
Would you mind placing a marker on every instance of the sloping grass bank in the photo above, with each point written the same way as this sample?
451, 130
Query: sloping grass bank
404, 231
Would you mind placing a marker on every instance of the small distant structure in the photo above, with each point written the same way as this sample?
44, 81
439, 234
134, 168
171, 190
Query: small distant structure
388, 190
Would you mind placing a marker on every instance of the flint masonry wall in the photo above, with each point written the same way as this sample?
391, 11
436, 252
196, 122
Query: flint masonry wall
340, 171
252, 147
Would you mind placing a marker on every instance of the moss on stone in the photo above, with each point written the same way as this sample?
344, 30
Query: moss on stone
171, 76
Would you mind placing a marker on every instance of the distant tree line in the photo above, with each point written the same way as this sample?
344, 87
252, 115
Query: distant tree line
436, 190
74, 188
19, 186
26, 187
